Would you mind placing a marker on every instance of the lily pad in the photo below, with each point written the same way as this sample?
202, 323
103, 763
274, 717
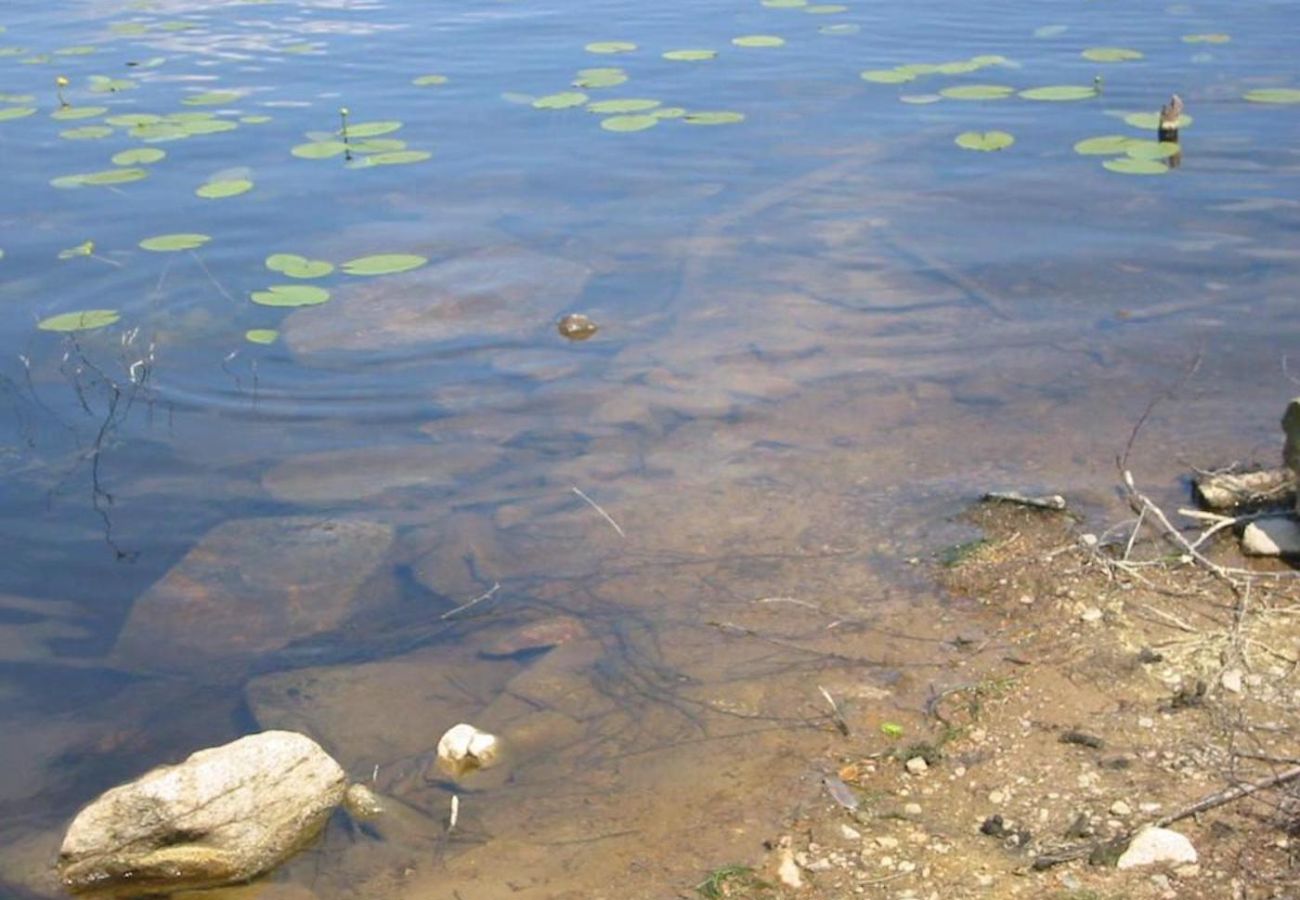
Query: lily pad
383, 264
254, 120
1126, 165
1103, 145
1110, 54
172, 243
319, 149
986, 141
218, 190
212, 98
758, 40
919, 99
82, 320
261, 335
690, 55
113, 176
102, 84
629, 123
598, 78
825, 9
372, 129
564, 100
784, 4
296, 266
86, 133
887, 76
1206, 38
16, 112
71, 113
1151, 121
133, 120
1138, 149
627, 105
84, 249
206, 126
1060, 92
79, 50
610, 47
1274, 95
670, 112
290, 295
977, 92
138, 156
719, 117
398, 157
429, 80
378, 145
1049, 31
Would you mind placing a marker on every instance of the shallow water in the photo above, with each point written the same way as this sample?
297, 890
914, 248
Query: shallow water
823, 330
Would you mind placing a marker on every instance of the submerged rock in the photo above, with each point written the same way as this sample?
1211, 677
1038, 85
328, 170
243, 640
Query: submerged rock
540, 635
336, 476
465, 748
223, 815
251, 586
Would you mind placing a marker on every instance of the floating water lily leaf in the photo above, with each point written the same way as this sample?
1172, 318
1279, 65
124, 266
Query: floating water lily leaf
82, 320
627, 105
1060, 92
1110, 54
721, 117
319, 149
261, 335
1047, 31
372, 129
85, 249
398, 157
887, 76
825, 9
564, 100
129, 28
70, 113
218, 190
1137, 149
1151, 121
205, 126
16, 112
113, 176
669, 112
378, 145
383, 264
839, 30
17, 98
920, 99
599, 78
160, 131
255, 120
984, 140
79, 50
629, 123
610, 47
212, 98
428, 80
958, 67
1126, 165
1103, 145
39, 59
758, 40
171, 243
290, 295
1274, 95
785, 4
102, 84
133, 120
298, 266
86, 133
1206, 38
690, 55
977, 92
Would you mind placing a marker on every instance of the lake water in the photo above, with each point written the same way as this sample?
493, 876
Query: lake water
824, 327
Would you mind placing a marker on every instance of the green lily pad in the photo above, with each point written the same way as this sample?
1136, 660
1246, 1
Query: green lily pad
18, 98
398, 157
16, 112
1274, 95
86, 133
1060, 92
82, 320
690, 55
212, 98
1139, 149
758, 40
1126, 165
986, 141
629, 123
83, 249
206, 126
1151, 121
1048, 31
825, 9
172, 243
378, 145
670, 112
133, 120
429, 80
610, 47
919, 99
628, 105
129, 28
887, 76
71, 113
37, 60
719, 117
977, 92
1103, 145
784, 4
372, 129
160, 131
319, 149
383, 264
102, 84
1110, 54
218, 190
298, 266
255, 120
1206, 38
564, 100
598, 78
290, 295
113, 176
79, 50
138, 156
958, 67
261, 335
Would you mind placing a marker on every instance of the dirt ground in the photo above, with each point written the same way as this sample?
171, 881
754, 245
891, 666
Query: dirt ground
1104, 686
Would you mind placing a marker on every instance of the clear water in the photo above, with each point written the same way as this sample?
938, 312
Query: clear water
823, 329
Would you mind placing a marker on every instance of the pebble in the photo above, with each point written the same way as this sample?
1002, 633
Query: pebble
907, 866
1120, 808
1027, 599
1146, 722
850, 833
1231, 680
983, 880
917, 765
885, 842
912, 809
1091, 614
997, 797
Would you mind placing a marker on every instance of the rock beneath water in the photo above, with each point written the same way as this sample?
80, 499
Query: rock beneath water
1272, 537
29, 626
465, 748
223, 815
351, 475
361, 802
1157, 845
541, 635
251, 586
503, 291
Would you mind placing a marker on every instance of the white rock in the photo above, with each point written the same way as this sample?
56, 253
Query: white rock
917, 765
1231, 680
361, 802
850, 833
464, 748
911, 810
1091, 614
1272, 537
223, 815
1120, 808
1157, 845
788, 871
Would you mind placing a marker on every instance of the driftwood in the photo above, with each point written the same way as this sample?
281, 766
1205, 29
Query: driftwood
1050, 501
1232, 490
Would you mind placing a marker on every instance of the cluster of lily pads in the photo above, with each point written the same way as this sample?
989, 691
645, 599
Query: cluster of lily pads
362, 144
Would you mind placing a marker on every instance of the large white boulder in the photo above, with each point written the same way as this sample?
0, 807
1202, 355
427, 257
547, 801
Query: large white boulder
1157, 845
223, 815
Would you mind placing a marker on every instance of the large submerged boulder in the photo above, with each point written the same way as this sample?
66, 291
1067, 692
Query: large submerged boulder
223, 815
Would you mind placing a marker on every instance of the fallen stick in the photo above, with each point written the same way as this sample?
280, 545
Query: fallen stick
496, 586
596, 507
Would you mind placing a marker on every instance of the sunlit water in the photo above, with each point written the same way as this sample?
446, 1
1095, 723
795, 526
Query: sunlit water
822, 330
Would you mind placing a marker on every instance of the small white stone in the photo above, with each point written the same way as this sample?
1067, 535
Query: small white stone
464, 748
1146, 722
820, 865
1157, 845
912, 809
885, 842
1091, 614
1271, 537
850, 833
1120, 808
997, 797
917, 765
1231, 680
983, 880
788, 871
1088, 539
1027, 599
907, 866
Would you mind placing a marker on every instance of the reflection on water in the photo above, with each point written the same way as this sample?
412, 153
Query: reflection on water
637, 557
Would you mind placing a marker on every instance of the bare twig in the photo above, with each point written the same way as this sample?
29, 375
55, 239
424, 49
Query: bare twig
496, 586
597, 508
1227, 795
836, 716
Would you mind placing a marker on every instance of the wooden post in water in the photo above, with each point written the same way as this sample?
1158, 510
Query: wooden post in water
1167, 130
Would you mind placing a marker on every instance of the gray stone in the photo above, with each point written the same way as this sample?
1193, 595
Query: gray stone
223, 815
1272, 537
1157, 845
251, 586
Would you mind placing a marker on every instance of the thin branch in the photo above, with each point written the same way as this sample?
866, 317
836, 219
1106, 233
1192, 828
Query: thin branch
596, 507
496, 586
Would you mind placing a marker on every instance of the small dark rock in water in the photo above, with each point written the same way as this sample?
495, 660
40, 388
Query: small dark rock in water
994, 827
1083, 739
577, 327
